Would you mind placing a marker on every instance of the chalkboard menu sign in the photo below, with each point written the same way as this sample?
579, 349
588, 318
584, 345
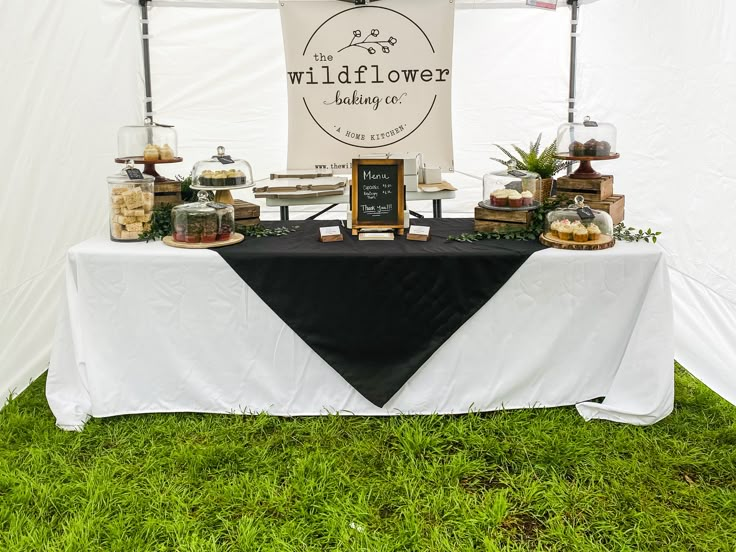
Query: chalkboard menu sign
377, 197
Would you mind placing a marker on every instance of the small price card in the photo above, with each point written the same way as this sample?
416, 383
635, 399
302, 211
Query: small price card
330, 234
134, 174
418, 233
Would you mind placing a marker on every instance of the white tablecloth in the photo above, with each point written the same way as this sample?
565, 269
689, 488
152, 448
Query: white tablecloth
149, 328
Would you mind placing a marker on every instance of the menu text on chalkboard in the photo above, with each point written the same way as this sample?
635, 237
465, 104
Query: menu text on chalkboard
377, 195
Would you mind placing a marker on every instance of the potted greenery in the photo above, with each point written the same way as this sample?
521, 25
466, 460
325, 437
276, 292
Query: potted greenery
544, 163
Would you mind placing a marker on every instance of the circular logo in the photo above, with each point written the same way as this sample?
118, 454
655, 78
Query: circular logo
360, 80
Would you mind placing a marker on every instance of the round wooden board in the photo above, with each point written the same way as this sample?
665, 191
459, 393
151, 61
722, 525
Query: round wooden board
568, 157
138, 160
236, 238
604, 242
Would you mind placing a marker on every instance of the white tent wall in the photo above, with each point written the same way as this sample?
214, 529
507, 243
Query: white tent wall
661, 70
72, 76
665, 72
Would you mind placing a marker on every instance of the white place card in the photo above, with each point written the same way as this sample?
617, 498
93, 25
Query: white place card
330, 234
419, 230
418, 233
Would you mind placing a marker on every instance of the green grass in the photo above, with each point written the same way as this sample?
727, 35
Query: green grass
519, 480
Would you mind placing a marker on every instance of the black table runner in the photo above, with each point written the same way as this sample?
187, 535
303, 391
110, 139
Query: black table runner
375, 311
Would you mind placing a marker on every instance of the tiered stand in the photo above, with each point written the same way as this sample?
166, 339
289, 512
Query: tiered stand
586, 170
222, 193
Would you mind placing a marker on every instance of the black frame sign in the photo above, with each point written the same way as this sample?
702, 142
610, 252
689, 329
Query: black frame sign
377, 194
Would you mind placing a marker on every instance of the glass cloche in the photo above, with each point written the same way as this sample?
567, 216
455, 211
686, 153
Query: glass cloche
222, 171
579, 223
131, 204
511, 188
149, 142
586, 139
202, 222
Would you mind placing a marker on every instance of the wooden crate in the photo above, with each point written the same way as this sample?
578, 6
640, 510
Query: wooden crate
613, 205
488, 220
592, 189
246, 210
168, 191
246, 213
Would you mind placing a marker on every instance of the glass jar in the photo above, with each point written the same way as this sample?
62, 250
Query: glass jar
131, 204
202, 222
222, 171
151, 142
586, 139
501, 188
579, 223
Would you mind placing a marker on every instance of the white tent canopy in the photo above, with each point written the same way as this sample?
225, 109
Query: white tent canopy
74, 75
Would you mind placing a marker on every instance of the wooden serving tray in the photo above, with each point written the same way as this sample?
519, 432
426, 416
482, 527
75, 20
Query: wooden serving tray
604, 242
235, 238
138, 160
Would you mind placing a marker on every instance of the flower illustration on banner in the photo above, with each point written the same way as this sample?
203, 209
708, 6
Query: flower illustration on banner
369, 42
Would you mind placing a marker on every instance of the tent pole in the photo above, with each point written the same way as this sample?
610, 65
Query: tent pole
573, 63
146, 59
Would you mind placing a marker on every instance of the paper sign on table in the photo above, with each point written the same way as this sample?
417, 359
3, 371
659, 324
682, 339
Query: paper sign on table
418, 233
330, 234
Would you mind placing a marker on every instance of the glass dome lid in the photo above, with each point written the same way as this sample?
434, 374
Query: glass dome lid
579, 223
498, 185
587, 139
152, 142
203, 221
222, 171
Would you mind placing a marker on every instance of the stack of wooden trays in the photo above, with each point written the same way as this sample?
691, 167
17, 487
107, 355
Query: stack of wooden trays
167, 191
246, 214
597, 192
498, 220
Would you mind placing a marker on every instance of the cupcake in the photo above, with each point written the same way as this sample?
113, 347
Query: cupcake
576, 224
527, 198
577, 148
580, 234
515, 199
564, 230
150, 153
219, 178
594, 232
603, 148
166, 152
590, 147
553, 228
500, 198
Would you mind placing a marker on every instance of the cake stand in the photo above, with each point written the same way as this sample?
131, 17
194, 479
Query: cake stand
149, 167
585, 169
222, 193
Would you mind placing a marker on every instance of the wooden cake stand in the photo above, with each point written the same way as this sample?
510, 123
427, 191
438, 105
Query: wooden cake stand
604, 242
149, 167
585, 170
234, 238
222, 193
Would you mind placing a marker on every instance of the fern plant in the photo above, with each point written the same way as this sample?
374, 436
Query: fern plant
543, 163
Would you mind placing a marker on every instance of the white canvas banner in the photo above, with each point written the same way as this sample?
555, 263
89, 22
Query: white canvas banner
365, 80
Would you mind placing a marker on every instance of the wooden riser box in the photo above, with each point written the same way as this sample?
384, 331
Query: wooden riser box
614, 206
167, 192
246, 213
592, 189
246, 210
487, 220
